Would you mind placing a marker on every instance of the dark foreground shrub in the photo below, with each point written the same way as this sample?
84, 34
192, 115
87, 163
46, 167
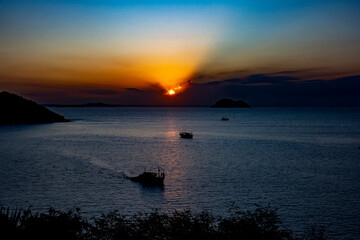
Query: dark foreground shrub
52, 225
315, 233
262, 223
110, 226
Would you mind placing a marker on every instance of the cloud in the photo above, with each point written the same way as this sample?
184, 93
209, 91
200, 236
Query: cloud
294, 72
265, 90
261, 79
134, 90
257, 90
102, 92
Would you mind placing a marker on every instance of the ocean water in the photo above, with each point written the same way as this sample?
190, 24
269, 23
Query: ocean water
303, 161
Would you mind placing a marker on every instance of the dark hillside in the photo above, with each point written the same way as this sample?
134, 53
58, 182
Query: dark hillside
18, 110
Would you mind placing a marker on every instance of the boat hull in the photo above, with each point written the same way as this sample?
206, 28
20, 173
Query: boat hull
149, 179
186, 135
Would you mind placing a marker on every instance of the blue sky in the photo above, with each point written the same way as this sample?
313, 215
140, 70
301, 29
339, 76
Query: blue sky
115, 45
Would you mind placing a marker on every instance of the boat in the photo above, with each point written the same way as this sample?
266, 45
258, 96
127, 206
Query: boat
225, 119
150, 178
186, 135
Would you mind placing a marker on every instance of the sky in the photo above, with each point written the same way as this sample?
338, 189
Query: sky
135, 52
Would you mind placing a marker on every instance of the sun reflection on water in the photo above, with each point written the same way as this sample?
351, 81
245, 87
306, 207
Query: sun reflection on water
171, 158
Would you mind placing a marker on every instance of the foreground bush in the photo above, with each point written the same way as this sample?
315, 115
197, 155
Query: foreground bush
262, 223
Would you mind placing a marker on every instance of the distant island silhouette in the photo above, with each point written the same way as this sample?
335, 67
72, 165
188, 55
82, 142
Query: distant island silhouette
223, 103
228, 103
15, 109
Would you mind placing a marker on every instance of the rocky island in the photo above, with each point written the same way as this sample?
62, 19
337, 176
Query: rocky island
228, 103
18, 110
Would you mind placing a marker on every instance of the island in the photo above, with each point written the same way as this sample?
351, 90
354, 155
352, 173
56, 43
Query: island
15, 109
228, 103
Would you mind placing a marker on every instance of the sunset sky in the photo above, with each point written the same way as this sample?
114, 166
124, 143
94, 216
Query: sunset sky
133, 52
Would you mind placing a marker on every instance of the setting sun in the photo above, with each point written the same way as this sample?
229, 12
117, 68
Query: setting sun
178, 89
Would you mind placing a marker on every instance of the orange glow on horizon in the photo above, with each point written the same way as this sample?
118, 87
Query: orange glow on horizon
144, 52
178, 89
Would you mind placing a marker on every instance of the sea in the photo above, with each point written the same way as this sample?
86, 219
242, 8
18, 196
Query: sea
305, 162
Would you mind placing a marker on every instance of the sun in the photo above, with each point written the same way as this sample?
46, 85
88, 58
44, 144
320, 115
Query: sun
173, 91
178, 89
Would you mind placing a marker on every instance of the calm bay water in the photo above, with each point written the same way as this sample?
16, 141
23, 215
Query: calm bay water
304, 161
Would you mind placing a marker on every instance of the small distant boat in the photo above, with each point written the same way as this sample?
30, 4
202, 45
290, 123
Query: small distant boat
225, 119
186, 135
150, 178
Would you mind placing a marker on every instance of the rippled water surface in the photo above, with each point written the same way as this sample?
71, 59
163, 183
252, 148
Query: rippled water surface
304, 161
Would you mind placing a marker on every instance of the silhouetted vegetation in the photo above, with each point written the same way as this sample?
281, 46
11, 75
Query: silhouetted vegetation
228, 103
262, 223
17, 110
